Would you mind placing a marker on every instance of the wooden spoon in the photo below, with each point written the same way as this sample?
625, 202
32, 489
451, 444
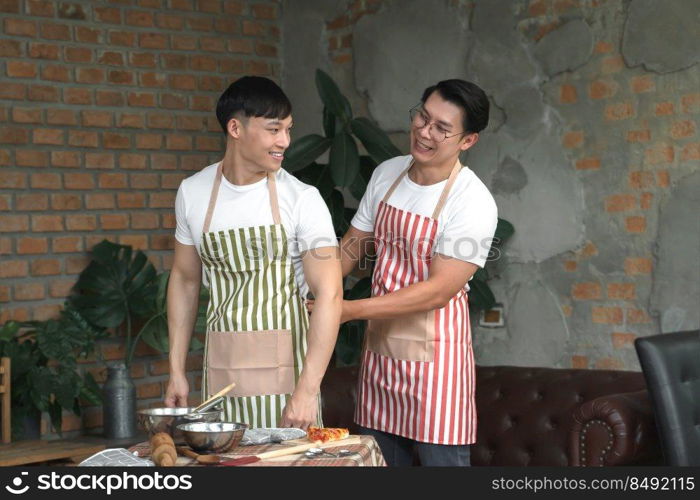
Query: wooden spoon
202, 459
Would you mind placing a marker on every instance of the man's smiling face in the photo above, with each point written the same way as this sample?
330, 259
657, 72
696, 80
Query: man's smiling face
263, 141
442, 118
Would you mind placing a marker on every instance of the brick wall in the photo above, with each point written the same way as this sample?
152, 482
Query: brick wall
105, 106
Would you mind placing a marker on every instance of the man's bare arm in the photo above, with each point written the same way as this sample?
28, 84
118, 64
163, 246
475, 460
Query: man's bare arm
183, 298
323, 274
353, 247
447, 276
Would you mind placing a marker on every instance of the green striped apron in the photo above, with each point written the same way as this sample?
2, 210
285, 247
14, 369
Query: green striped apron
256, 319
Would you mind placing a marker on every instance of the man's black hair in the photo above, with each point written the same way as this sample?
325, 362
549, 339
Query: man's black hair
468, 96
252, 96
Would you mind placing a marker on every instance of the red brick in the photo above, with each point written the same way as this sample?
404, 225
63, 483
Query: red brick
11, 48
585, 291
67, 244
90, 75
29, 291
589, 163
149, 141
20, 27
17, 91
621, 340
13, 180
45, 267
136, 241
13, 135
170, 22
182, 42
81, 222
178, 142
636, 224
609, 364
77, 96
160, 120
659, 153
87, 35
201, 103
96, 118
56, 73
570, 266
65, 159
139, 18
151, 79
623, 291
641, 180
211, 83
99, 201
141, 99
145, 220
144, 181
21, 69
259, 68
182, 82
612, 64
620, 111
662, 178
111, 140
107, 15
111, 58
664, 108
132, 161
167, 221
690, 103
45, 181
55, 31
131, 120
174, 61
31, 158
79, 181
643, 83
201, 24
26, 115
112, 181
65, 202
109, 98
28, 245
162, 161
122, 38
153, 41
48, 136
138, 370
240, 46
637, 266
34, 201
61, 117
114, 221
620, 203
637, 316
573, 140
80, 138
14, 223
645, 200
75, 265
602, 47
162, 200
607, 315
149, 390
131, 200
42, 93
212, 44
121, 77
13, 269
691, 152
192, 162
142, 59
47, 223
682, 129
639, 135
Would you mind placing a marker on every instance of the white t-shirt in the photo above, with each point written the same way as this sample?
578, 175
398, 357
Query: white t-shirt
466, 224
304, 214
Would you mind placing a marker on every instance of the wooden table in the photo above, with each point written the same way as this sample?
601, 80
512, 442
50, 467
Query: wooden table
39, 451
367, 454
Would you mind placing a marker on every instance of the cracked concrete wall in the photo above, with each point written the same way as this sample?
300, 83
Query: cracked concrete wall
592, 151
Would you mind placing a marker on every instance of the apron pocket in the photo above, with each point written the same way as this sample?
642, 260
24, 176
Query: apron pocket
409, 338
259, 362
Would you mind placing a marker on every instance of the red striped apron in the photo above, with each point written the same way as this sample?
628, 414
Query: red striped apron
417, 380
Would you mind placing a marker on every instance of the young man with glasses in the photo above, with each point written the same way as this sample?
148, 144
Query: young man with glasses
432, 221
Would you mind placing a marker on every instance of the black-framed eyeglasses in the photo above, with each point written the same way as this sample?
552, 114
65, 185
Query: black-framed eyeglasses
419, 120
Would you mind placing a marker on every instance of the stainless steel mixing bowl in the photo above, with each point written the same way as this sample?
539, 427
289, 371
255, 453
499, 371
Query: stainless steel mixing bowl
212, 437
154, 420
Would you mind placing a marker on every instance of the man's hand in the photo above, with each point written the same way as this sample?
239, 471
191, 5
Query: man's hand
301, 411
176, 394
345, 316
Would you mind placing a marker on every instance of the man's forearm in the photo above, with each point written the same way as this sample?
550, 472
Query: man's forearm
419, 297
183, 299
321, 338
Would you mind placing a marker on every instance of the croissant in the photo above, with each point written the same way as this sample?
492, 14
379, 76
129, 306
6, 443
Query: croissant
163, 450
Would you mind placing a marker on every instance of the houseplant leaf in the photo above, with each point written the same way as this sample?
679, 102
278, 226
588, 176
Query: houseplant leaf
336, 207
333, 100
480, 295
344, 160
375, 141
364, 173
504, 230
317, 175
304, 151
329, 120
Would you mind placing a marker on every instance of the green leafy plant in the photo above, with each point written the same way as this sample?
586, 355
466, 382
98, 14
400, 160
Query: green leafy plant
45, 374
348, 169
120, 289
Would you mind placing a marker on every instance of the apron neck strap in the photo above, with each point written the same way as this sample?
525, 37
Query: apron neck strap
271, 186
445, 192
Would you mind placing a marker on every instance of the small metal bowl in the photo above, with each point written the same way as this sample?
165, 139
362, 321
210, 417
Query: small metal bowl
212, 437
154, 420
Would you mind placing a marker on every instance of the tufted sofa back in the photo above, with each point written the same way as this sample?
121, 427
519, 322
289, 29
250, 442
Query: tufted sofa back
525, 415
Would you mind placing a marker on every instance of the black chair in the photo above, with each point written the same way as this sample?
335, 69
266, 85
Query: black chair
671, 366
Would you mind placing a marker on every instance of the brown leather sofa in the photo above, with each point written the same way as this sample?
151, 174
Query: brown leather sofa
540, 416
